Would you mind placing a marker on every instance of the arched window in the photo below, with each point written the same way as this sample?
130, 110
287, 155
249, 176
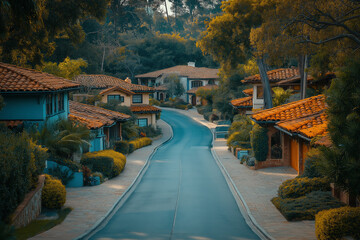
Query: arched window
276, 148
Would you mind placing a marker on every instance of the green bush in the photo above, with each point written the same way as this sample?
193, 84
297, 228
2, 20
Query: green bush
189, 106
244, 159
100, 175
181, 106
298, 187
139, 143
207, 115
311, 164
239, 139
305, 207
53, 193
338, 223
21, 161
64, 175
131, 148
122, 147
241, 123
99, 164
108, 162
153, 101
150, 131
259, 142
204, 109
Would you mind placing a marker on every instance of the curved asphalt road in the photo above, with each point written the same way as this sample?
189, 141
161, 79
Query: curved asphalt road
182, 195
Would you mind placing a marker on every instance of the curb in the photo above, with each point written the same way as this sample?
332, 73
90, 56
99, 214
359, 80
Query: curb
249, 218
103, 221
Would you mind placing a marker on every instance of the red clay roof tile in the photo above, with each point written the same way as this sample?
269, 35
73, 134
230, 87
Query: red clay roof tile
246, 102
103, 81
94, 117
18, 79
117, 88
143, 108
293, 110
275, 75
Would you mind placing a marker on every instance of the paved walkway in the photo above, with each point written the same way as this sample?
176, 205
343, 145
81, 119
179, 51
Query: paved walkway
91, 204
257, 189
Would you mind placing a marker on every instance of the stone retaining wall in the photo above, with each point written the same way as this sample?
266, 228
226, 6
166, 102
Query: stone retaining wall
30, 208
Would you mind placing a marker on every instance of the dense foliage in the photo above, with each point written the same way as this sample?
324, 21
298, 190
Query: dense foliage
338, 223
139, 143
297, 187
109, 162
341, 163
306, 207
21, 163
259, 142
53, 193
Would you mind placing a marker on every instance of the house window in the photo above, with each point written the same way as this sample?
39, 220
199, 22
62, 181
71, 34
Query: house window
115, 98
142, 122
196, 84
49, 104
276, 149
60, 104
211, 82
137, 98
260, 92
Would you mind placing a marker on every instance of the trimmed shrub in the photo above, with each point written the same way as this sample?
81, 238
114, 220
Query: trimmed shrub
306, 207
131, 148
53, 193
298, 187
244, 159
250, 161
181, 106
311, 164
122, 147
100, 175
189, 106
259, 142
338, 223
139, 143
239, 139
207, 115
108, 162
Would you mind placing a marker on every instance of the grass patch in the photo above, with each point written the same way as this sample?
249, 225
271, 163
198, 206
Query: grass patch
38, 226
306, 207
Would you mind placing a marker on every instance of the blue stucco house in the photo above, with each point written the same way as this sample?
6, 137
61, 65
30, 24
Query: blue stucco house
33, 97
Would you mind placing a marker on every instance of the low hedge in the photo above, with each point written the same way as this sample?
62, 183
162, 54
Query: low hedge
298, 187
338, 223
53, 194
139, 143
122, 147
108, 162
306, 207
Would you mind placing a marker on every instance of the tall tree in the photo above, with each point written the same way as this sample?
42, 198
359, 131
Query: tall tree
30, 27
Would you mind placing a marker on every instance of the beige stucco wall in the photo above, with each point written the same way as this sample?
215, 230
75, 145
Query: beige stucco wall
127, 98
151, 118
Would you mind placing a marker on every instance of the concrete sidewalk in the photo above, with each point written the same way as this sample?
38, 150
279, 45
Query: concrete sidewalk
91, 204
257, 188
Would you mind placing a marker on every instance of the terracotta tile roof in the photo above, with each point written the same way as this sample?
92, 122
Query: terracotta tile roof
246, 102
143, 108
310, 126
94, 117
276, 76
12, 123
116, 88
18, 79
249, 91
293, 110
206, 87
104, 81
184, 70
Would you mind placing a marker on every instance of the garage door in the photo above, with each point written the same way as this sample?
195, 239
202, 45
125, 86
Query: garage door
294, 156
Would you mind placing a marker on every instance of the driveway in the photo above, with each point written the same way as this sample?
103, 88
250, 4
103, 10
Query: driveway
182, 195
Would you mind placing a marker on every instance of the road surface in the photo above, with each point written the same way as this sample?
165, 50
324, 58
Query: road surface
182, 195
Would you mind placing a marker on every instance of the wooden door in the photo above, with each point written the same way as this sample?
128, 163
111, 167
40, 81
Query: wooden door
294, 154
193, 100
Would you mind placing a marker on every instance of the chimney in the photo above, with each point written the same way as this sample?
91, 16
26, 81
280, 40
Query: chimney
191, 64
128, 80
